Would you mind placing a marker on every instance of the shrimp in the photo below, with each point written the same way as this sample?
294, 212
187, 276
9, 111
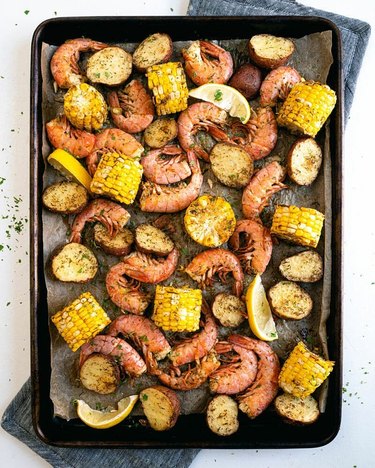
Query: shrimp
200, 116
199, 344
261, 187
120, 350
204, 266
143, 332
113, 139
112, 215
238, 374
63, 135
143, 267
165, 199
263, 390
131, 109
206, 62
252, 244
64, 62
159, 169
125, 294
277, 85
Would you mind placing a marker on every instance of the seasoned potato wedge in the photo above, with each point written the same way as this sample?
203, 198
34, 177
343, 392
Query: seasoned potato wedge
269, 51
120, 244
155, 49
304, 160
289, 301
231, 164
74, 263
296, 410
111, 66
247, 80
160, 132
152, 240
65, 197
305, 266
222, 415
100, 373
229, 309
161, 407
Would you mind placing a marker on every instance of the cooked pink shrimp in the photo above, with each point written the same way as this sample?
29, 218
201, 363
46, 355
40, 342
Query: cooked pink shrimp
261, 187
112, 215
277, 85
206, 62
143, 332
164, 199
166, 165
64, 63
204, 266
63, 135
124, 293
131, 109
119, 349
265, 386
252, 243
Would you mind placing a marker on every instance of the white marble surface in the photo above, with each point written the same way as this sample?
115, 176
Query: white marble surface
354, 446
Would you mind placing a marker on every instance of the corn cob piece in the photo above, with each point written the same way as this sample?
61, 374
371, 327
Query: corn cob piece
303, 372
118, 177
85, 107
177, 309
301, 226
167, 81
307, 107
81, 320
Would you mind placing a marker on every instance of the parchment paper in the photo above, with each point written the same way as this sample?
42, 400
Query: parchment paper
312, 59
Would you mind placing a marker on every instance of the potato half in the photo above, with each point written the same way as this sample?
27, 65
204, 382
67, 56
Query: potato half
120, 244
297, 410
65, 197
304, 160
305, 266
269, 51
289, 301
100, 374
161, 407
247, 80
151, 240
74, 263
155, 49
222, 415
229, 309
160, 132
231, 164
111, 66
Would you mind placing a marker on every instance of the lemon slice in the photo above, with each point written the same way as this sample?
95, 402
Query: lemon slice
226, 98
259, 312
105, 419
68, 166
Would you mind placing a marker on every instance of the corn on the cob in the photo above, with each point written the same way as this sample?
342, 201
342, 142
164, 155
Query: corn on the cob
301, 226
167, 82
307, 107
303, 371
117, 176
81, 320
85, 107
177, 309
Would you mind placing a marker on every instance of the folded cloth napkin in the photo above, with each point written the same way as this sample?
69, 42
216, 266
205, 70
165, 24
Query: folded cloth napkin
17, 417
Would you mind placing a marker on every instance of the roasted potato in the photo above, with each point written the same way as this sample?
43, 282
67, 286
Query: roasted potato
222, 415
161, 407
269, 51
100, 373
152, 240
247, 80
296, 410
155, 49
289, 301
160, 132
229, 309
111, 66
120, 244
304, 160
231, 164
74, 263
65, 197
305, 266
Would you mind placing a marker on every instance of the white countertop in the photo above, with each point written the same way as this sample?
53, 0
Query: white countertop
354, 446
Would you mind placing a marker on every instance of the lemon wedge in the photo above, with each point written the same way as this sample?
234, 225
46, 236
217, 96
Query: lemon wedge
225, 97
105, 419
259, 312
68, 166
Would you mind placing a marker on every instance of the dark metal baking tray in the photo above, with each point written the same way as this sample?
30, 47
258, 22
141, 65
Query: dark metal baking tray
268, 430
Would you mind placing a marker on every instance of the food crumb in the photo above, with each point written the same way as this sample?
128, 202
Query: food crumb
27, 12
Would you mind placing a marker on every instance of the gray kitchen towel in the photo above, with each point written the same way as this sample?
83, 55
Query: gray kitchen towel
17, 417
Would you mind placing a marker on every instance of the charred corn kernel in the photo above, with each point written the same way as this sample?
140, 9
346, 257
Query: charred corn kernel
80, 321
301, 226
85, 107
303, 371
307, 107
167, 82
118, 177
177, 309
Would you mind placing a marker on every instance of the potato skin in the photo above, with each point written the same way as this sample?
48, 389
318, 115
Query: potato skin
247, 80
100, 374
161, 407
65, 197
282, 50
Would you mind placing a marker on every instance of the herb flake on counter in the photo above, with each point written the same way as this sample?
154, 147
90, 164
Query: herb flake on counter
2, 180
27, 12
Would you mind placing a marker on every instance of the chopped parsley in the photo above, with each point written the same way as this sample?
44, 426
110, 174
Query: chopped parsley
218, 96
